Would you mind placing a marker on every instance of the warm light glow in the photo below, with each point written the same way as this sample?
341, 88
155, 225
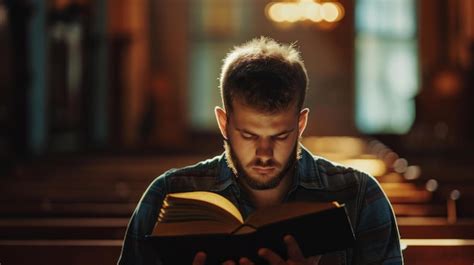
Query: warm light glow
454, 195
348, 151
292, 12
400, 165
448, 83
374, 167
338, 146
276, 12
313, 12
412, 172
304, 10
438, 242
329, 12
432, 185
3, 15
341, 11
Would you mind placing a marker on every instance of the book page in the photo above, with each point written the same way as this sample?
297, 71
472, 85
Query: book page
209, 198
186, 212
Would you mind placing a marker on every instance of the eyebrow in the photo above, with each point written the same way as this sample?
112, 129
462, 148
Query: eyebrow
278, 134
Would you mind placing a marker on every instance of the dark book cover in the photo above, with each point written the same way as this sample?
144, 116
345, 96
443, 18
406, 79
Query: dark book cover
316, 234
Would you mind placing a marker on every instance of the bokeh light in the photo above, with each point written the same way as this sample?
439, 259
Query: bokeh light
304, 10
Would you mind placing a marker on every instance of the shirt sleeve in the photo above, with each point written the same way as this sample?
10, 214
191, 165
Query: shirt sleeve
377, 236
136, 250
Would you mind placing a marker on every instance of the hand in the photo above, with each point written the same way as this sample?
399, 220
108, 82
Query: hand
200, 259
295, 256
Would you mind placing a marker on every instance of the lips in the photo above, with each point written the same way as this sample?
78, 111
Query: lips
263, 170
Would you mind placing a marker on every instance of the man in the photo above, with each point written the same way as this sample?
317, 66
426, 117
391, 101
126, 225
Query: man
263, 86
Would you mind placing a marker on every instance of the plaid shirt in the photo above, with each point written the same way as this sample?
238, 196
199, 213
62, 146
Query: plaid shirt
316, 179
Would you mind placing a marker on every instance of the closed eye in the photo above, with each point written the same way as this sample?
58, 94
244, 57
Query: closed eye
248, 136
282, 137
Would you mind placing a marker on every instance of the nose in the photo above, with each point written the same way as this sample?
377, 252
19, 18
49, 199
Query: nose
264, 150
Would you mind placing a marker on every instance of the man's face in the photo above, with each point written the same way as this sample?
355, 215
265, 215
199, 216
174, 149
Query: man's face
262, 147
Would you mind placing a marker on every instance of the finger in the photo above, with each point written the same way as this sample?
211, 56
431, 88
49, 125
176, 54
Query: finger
199, 258
245, 261
294, 251
270, 256
229, 262
314, 260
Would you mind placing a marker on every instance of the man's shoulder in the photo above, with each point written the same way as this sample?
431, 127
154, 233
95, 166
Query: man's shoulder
205, 167
335, 176
203, 175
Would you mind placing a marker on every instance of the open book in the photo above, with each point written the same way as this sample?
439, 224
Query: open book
204, 221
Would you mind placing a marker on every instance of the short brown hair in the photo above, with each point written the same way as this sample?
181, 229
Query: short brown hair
264, 74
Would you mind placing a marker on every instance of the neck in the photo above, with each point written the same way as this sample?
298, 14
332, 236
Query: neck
270, 197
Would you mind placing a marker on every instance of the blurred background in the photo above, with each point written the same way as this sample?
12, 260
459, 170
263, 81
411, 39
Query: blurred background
98, 97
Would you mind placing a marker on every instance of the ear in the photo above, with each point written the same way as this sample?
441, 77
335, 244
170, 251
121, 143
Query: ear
303, 120
221, 118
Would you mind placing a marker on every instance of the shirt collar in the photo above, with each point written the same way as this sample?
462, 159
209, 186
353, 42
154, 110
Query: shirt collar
307, 173
224, 175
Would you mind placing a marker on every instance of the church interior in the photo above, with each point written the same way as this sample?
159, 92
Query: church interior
97, 98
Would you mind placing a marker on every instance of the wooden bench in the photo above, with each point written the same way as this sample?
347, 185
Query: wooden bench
69, 209
59, 252
429, 228
63, 228
438, 251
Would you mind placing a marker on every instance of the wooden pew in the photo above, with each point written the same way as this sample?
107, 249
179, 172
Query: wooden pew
419, 210
406, 193
66, 209
105, 167
58, 252
431, 228
438, 251
63, 228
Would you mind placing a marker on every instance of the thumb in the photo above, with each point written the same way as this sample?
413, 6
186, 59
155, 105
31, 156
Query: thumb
293, 249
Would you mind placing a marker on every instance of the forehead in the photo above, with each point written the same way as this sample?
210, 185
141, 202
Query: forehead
244, 117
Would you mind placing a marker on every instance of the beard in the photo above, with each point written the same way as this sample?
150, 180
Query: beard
239, 171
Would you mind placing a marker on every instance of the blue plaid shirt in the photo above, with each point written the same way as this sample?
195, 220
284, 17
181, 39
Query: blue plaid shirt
315, 179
